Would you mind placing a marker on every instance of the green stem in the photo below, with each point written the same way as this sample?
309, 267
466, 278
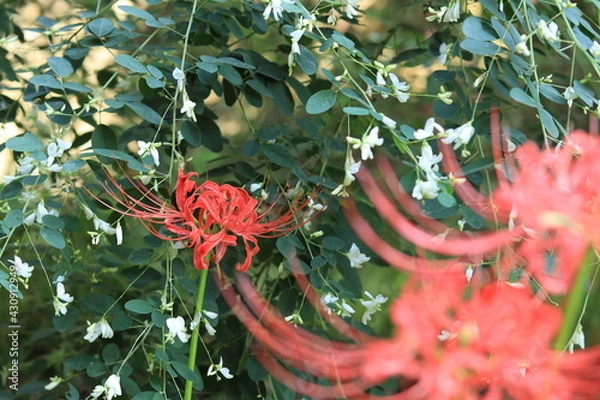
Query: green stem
195, 334
575, 302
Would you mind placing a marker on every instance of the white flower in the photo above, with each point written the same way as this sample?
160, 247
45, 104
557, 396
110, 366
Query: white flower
399, 89
426, 189
21, 268
54, 382
119, 233
469, 272
328, 299
111, 388
521, 47
103, 226
177, 329
578, 339
150, 148
351, 6
387, 121
26, 165
443, 50
427, 160
180, 78
275, 7
459, 136
380, 80
357, 259
97, 329
351, 168
427, 130
372, 305
453, 12
62, 298
188, 108
296, 36
369, 140
214, 368
570, 94
436, 14
345, 309
548, 31
595, 50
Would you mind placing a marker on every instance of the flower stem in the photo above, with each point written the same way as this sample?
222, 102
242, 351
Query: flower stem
575, 302
195, 332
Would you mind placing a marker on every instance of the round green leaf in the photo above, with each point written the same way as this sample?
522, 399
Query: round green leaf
321, 101
25, 142
101, 27
190, 132
53, 237
60, 66
139, 306
13, 219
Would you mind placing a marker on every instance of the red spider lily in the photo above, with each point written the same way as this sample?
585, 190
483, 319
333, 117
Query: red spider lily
208, 217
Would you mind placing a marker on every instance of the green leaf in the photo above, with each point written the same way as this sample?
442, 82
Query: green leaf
25, 142
307, 61
520, 96
356, 111
147, 396
268, 133
481, 48
60, 66
52, 221
478, 29
186, 373
53, 237
13, 189
471, 217
73, 165
139, 306
256, 371
46, 80
96, 369
63, 323
446, 200
286, 247
145, 112
190, 132
110, 353
140, 256
547, 121
104, 138
321, 101
76, 87
333, 243
131, 63
278, 154
73, 393
100, 27
13, 219
211, 137
317, 262
77, 363
230, 74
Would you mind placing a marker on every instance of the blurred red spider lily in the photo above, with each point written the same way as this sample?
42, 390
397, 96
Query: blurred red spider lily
451, 341
208, 217
552, 195
549, 200
492, 343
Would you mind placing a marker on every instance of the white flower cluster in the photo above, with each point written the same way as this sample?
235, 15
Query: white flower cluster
449, 13
428, 161
62, 298
103, 226
342, 308
188, 106
45, 163
97, 329
110, 389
